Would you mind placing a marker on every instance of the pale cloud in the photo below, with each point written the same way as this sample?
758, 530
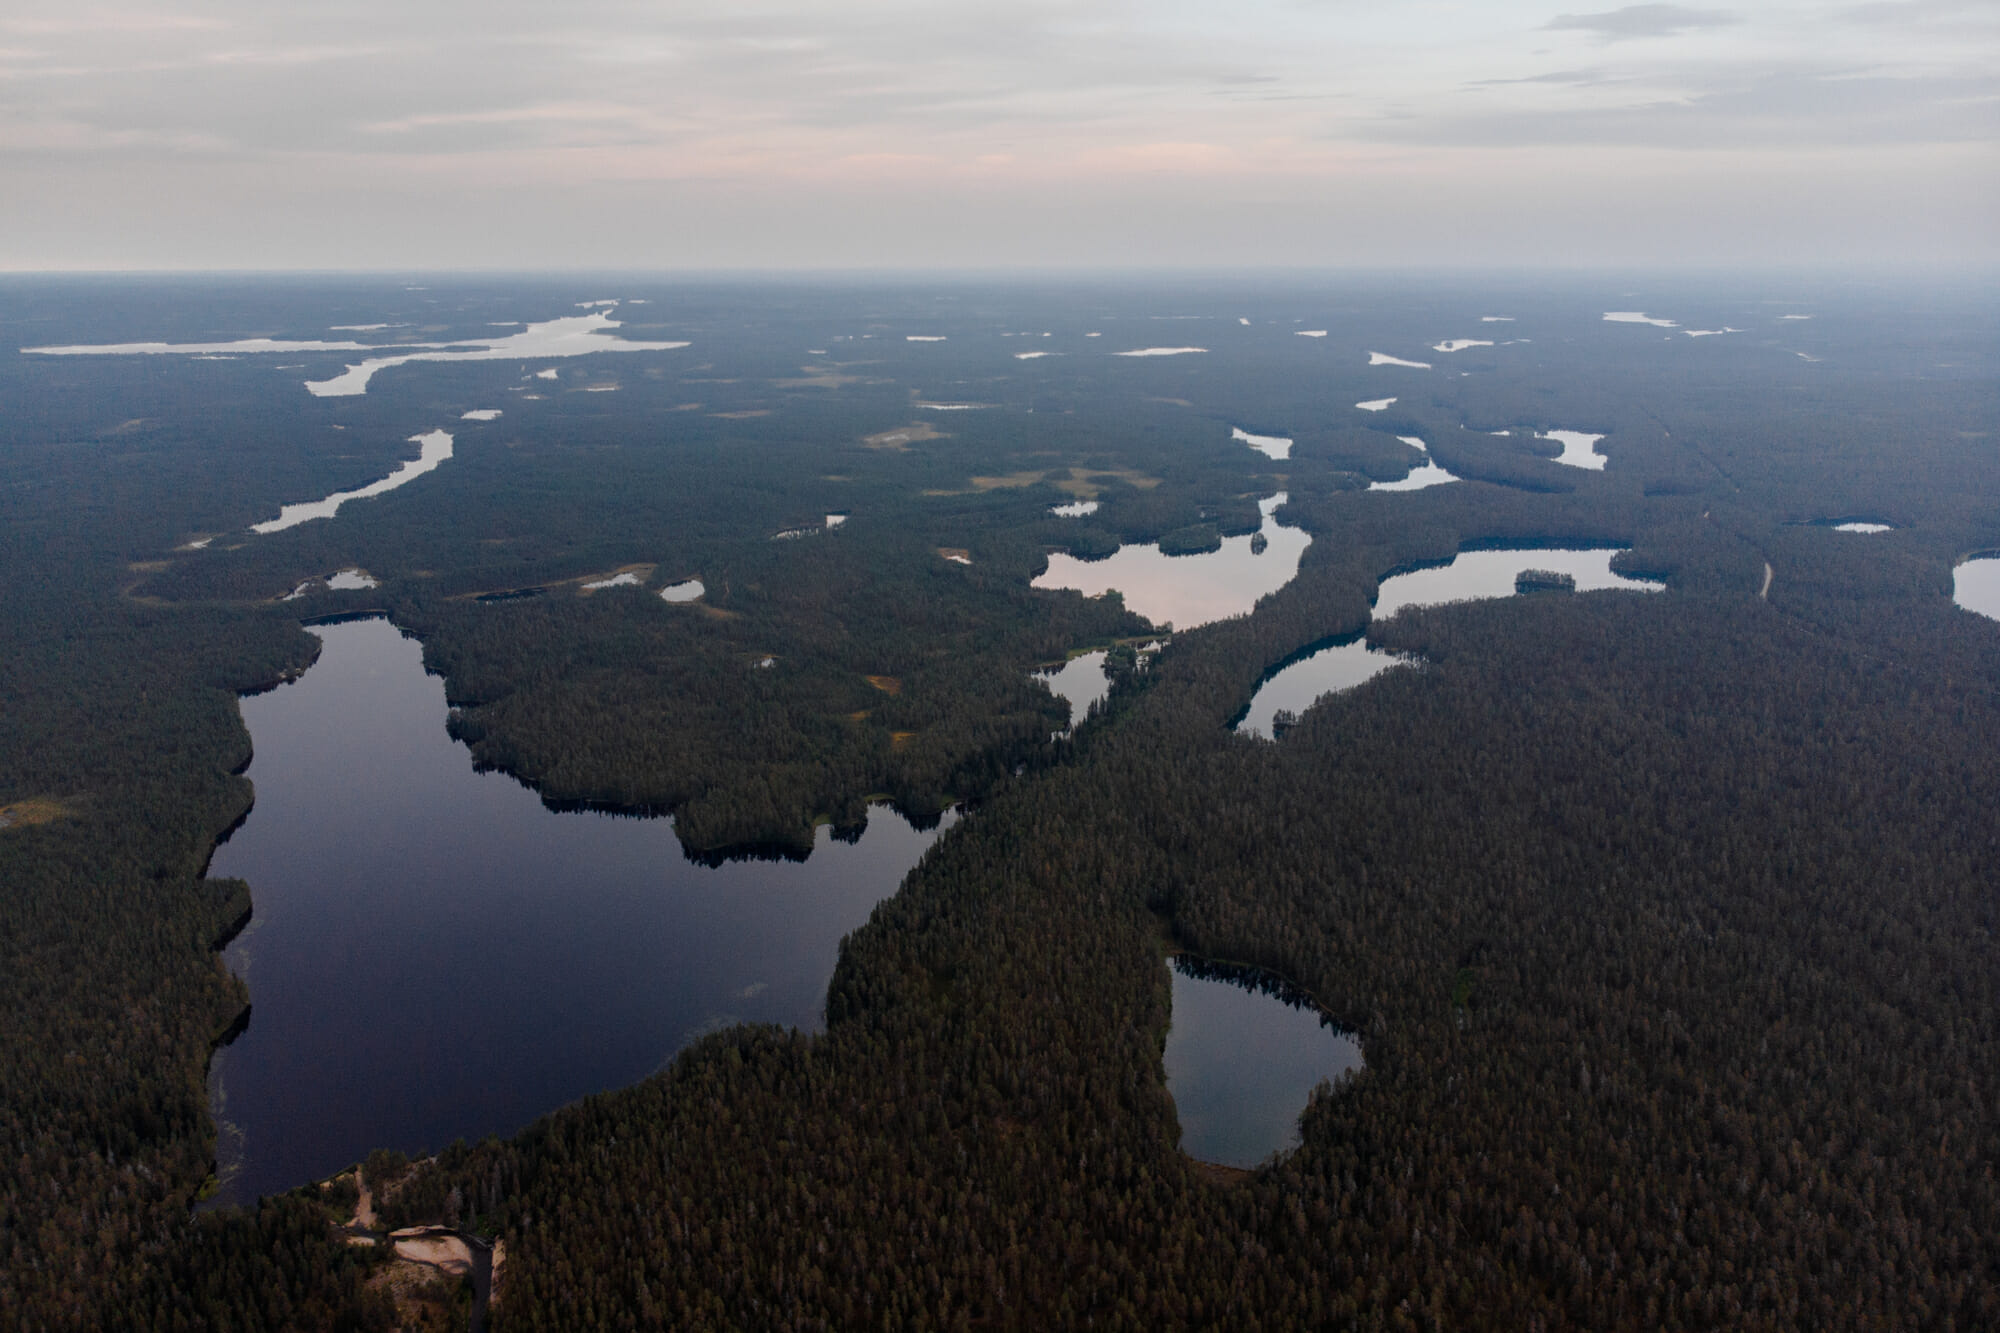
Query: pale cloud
1642, 21
429, 115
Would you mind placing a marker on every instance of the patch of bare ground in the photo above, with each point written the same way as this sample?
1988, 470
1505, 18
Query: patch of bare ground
425, 1298
446, 1251
641, 572
902, 437
1124, 474
1216, 1174
34, 810
886, 684
820, 377
1011, 481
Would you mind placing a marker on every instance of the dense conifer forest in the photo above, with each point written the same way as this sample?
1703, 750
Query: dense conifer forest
1666, 921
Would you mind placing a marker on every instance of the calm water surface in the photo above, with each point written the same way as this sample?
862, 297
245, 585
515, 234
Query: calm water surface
1471, 575
1241, 1063
1188, 590
1079, 682
1975, 585
436, 954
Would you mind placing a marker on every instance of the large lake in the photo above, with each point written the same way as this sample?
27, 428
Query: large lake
436, 954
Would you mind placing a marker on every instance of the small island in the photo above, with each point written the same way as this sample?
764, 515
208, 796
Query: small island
1544, 580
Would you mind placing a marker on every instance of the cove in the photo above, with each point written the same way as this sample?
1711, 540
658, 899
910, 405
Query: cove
1243, 1056
435, 954
1189, 590
1470, 576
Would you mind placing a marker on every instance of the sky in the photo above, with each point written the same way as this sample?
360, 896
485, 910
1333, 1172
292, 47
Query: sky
799, 134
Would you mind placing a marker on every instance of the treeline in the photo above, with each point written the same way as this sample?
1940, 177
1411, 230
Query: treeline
1696, 1036
1666, 921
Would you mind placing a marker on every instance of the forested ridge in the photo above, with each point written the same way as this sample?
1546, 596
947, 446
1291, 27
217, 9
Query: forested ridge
1666, 921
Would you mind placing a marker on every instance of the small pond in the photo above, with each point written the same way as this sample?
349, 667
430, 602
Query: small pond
1189, 590
436, 954
1243, 1055
1579, 449
1975, 585
1080, 682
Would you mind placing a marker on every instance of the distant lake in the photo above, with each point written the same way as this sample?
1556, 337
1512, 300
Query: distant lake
1242, 1060
1471, 576
1975, 585
1189, 590
436, 954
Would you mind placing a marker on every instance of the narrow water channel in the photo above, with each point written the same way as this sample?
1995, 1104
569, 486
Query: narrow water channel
436, 954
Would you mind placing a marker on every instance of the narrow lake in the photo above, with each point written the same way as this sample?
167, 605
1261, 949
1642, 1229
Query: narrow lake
1189, 590
1471, 575
435, 954
1242, 1059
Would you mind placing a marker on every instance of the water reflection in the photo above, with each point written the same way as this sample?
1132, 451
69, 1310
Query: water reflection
1081, 682
436, 954
1189, 590
1472, 575
433, 449
1296, 687
569, 335
1278, 447
1426, 473
1579, 449
1975, 585
1243, 1055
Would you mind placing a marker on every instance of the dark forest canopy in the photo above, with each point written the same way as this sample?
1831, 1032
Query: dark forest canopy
1666, 921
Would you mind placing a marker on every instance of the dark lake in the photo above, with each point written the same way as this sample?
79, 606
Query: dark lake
435, 954
1242, 1061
